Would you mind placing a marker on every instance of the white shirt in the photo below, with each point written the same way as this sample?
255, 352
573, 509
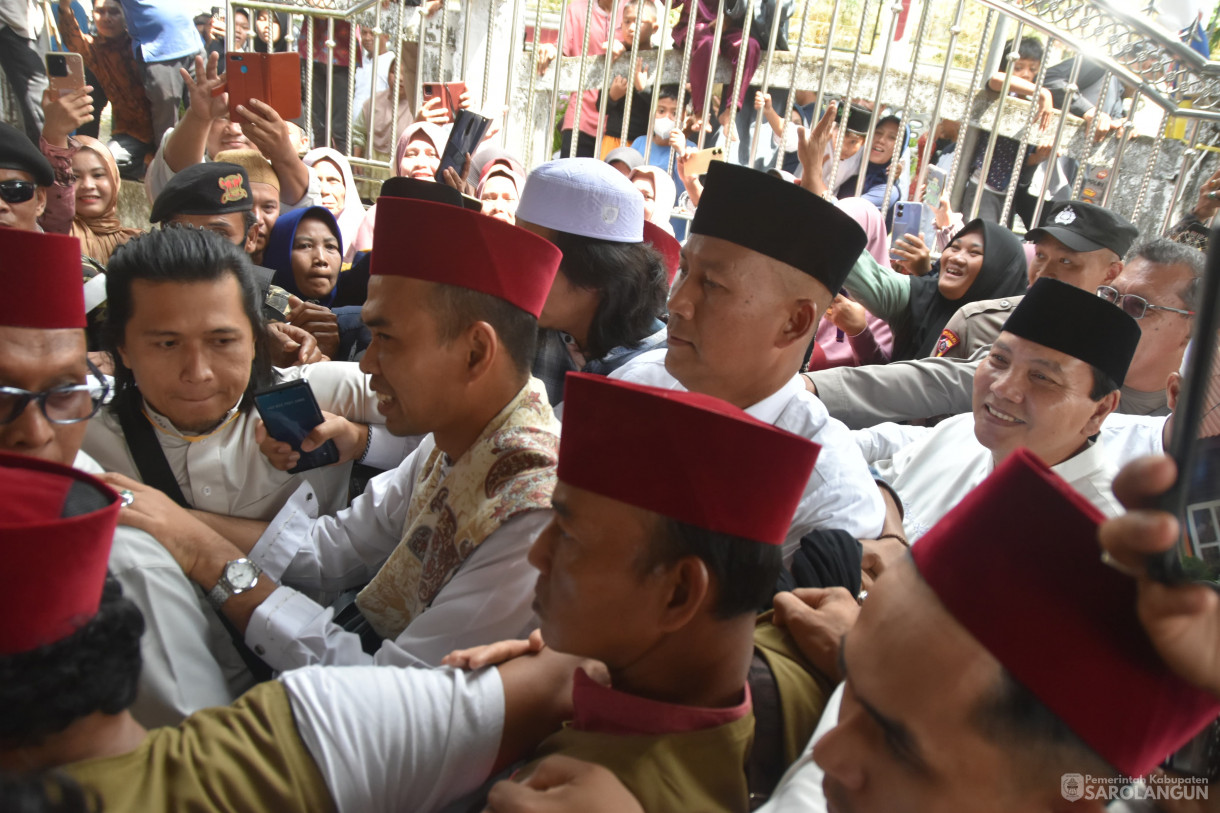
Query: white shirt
800, 788
840, 494
1127, 437
364, 77
226, 472
398, 739
189, 662
933, 469
489, 599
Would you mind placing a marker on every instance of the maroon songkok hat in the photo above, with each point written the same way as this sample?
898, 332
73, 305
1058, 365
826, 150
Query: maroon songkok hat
690, 457
42, 281
56, 526
1030, 586
440, 243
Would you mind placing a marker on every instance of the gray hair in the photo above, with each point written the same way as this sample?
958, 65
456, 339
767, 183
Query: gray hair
1162, 251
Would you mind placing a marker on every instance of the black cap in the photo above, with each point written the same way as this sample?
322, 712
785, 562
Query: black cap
1072, 320
418, 189
857, 118
211, 188
18, 152
779, 219
1085, 226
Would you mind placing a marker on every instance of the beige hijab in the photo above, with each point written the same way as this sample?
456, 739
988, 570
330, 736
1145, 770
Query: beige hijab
100, 236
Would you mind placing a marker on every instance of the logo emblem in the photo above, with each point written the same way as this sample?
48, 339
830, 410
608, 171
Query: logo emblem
947, 341
231, 189
1066, 216
609, 214
1071, 785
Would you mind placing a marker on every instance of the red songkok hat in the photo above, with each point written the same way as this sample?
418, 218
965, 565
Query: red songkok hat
690, 457
1030, 586
56, 526
439, 243
43, 286
667, 246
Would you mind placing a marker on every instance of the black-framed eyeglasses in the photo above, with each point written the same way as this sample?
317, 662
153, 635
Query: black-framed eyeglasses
1134, 306
17, 191
64, 405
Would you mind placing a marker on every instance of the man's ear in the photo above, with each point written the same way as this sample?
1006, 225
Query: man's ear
251, 238
482, 348
690, 586
40, 194
1115, 269
1101, 410
801, 324
1173, 389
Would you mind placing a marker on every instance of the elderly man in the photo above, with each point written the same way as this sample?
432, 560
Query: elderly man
925, 388
444, 536
1047, 384
658, 574
758, 271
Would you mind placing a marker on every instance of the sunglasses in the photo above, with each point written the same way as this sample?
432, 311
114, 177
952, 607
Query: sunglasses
1134, 306
17, 191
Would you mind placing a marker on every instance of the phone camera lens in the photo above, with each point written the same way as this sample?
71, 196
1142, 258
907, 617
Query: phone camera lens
245, 68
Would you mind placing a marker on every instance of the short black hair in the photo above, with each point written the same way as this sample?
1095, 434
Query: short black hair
95, 669
456, 308
1103, 385
1166, 252
631, 287
744, 571
1013, 718
179, 253
668, 92
1030, 48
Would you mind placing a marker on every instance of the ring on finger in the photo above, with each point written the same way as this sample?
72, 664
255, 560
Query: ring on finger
126, 497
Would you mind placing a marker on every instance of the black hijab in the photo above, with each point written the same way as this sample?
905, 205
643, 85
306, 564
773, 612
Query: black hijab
1003, 274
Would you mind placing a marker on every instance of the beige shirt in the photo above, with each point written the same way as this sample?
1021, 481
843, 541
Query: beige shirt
225, 472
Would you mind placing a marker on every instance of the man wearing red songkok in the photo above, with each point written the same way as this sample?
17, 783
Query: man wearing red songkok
658, 572
443, 537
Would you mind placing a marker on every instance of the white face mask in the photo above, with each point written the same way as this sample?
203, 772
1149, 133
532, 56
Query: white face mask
662, 127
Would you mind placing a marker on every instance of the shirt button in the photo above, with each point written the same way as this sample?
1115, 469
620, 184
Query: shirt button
1005, 304
259, 650
207, 491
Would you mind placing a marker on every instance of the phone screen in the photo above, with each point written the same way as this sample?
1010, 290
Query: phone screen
1195, 443
290, 413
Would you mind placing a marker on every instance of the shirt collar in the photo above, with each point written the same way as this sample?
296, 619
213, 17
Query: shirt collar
165, 425
605, 710
768, 409
1081, 464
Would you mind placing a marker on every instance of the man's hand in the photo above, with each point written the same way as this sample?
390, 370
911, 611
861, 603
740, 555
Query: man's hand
169, 523
318, 321
1104, 125
560, 784
434, 110
209, 100
267, 131
818, 618
492, 654
811, 149
350, 437
291, 345
1209, 197
217, 29
450, 177
546, 55
1045, 109
64, 114
914, 257
762, 101
847, 315
1182, 621
618, 87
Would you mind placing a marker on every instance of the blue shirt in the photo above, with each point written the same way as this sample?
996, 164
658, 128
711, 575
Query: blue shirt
161, 30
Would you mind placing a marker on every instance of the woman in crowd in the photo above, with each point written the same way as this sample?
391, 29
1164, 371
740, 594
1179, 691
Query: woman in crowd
96, 223
849, 335
385, 122
499, 188
418, 155
338, 187
983, 261
659, 193
270, 31
305, 250
881, 164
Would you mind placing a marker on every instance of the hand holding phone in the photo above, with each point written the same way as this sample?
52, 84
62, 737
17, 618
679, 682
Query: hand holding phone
698, 163
450, 94
274, 79
464, 137
290, 412
65, 72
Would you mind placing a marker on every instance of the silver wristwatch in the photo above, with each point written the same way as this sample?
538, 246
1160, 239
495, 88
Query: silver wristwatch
237, 577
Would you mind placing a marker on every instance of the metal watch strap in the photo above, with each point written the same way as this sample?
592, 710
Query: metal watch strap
223, 591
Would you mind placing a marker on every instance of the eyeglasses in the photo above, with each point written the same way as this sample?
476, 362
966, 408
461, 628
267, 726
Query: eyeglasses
1134, 306
17, 191
61, 405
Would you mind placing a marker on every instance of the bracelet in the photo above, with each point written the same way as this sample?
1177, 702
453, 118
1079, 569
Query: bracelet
899, 537
368, 442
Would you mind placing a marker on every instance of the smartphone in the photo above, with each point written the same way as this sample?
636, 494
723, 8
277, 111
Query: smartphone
271, 78
698, 163
448, 92
934, 187
464, 137
1195, 446
911, 218
290, 413
65, 71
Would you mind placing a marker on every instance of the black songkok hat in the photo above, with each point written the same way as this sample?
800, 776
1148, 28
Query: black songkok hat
1079, 323
779, 219
211, 188
857, 118
18, 152
433, 191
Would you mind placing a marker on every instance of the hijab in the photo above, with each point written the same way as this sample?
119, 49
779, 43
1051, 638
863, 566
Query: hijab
353, 210
1003, 274
507, 167
869, 218
664, 193
435, 133
100, 236
278, 255
875, 174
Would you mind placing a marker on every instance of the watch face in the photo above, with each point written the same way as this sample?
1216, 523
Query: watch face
241, 574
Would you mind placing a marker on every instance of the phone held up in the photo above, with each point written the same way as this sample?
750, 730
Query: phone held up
65, 72
290, 412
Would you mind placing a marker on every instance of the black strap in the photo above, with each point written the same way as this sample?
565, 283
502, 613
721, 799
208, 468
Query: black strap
765, 765
155, 471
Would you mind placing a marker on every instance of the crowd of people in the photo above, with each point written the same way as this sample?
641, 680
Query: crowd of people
753, 509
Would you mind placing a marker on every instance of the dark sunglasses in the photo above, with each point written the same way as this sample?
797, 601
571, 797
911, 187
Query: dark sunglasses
17, 191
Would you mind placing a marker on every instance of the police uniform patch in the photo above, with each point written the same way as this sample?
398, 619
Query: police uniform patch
231, 189
947, 341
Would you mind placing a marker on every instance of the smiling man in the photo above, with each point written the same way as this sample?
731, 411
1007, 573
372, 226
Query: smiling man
442, 539
1050, 379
